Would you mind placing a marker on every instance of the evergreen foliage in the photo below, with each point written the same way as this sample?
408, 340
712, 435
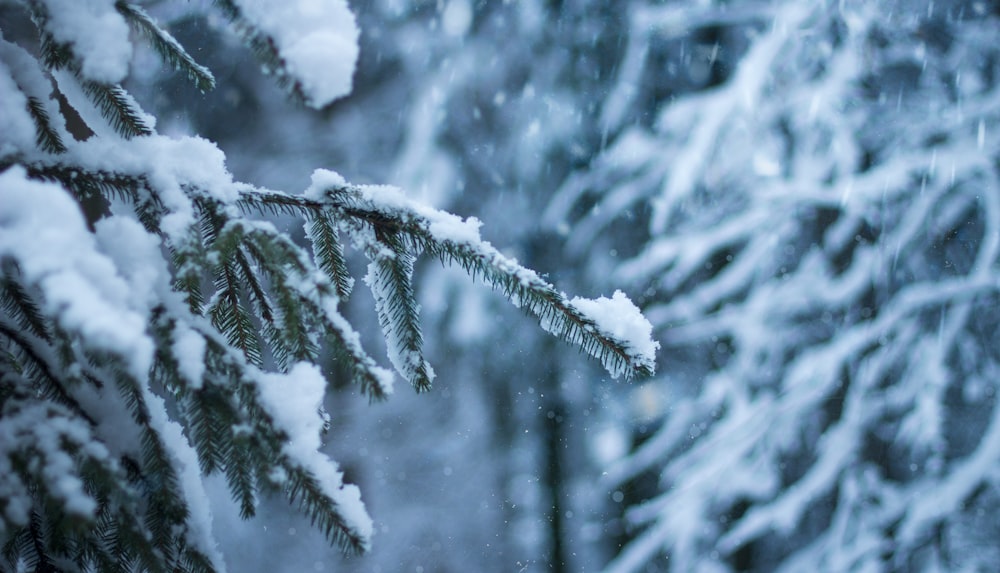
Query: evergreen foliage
154, 326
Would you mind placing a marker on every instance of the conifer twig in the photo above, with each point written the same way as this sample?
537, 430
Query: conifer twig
166, 46
522, 286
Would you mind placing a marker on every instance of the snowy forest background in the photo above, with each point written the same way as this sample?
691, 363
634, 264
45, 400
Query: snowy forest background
803, 198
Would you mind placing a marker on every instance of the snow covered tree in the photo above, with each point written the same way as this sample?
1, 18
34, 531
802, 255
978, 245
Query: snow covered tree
818, 187
156, 328
802, 192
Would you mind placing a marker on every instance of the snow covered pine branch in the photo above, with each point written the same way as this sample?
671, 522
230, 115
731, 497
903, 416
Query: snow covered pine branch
154, 329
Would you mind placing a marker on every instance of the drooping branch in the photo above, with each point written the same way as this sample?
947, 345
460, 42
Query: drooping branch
454, 241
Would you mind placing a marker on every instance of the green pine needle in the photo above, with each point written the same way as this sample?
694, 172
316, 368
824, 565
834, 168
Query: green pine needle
114, 103
329, 254
172, 53
18, 304
230, 316
118, 108
397, 308
304, 490
46, 137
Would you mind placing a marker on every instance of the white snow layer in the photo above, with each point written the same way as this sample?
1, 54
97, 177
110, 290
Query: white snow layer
189, 350
26, 70
15, 124
97, 33
170, 165
294, 401
318, 40
322, 180
185, 463
42, 228
622, 320
442, 225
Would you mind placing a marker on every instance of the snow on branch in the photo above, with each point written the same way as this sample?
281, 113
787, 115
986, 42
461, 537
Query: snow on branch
623, 346
93, 31
612, 330
314, 479
310, 47
83, 287
390, 278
